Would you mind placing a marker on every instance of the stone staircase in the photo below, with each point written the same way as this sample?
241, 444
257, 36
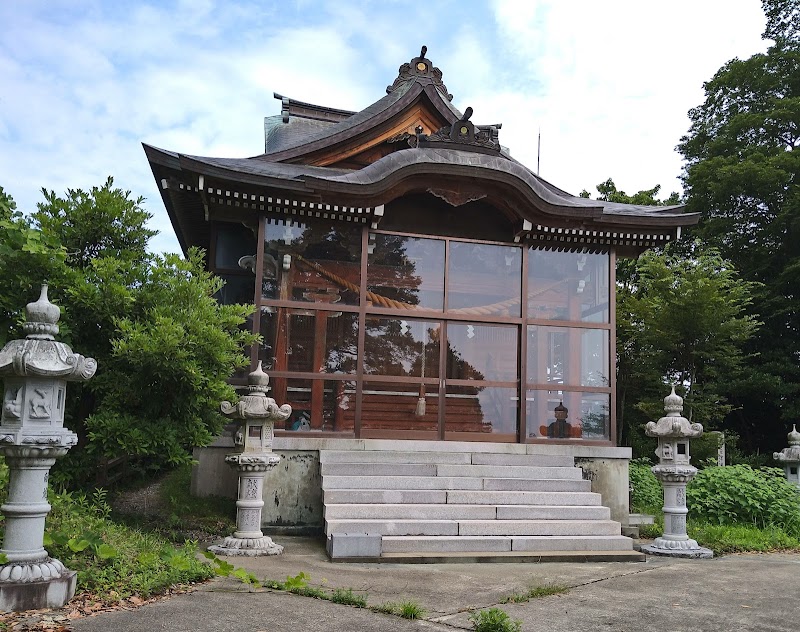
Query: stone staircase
437, 506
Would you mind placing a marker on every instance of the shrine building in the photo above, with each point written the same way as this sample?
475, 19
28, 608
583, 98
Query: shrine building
412, 280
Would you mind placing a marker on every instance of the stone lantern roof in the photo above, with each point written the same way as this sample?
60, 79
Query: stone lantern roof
792, 453
39, 354
673, 424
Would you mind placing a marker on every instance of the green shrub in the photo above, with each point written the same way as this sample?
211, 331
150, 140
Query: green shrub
494, 620
740, 494
646, 494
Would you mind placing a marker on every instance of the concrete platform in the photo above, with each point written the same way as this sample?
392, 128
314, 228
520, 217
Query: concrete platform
746, 593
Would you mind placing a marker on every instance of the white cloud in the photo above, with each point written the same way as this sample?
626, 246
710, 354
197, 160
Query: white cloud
84, 83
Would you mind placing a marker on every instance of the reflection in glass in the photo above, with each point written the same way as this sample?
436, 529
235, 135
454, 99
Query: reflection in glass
482, 352
406, 270
396, 407
568, 286
308, 340
484, 279
317, 405
312, 262
564, 355
237, 289
234, 241
587, 415
401, 347
484, 409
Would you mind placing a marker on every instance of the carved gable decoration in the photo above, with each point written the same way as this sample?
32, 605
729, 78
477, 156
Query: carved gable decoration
462, 135
420, 67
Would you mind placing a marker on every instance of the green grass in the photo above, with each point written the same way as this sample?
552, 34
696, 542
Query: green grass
348, 598
535, 593
494, 620
741, 538
406, 609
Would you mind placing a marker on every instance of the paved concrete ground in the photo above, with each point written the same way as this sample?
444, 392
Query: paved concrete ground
741, 592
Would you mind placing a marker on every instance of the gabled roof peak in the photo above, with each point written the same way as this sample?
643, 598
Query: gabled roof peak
420, 67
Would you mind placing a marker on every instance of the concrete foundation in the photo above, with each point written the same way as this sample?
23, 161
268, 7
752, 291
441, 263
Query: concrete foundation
293, 488
33, 595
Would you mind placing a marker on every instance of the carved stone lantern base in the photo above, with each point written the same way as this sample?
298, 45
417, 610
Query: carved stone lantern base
251, 547
687, 548
44, 584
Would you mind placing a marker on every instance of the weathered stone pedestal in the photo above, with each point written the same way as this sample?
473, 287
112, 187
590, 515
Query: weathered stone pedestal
789, 457
258, 414
674, 471
32, 437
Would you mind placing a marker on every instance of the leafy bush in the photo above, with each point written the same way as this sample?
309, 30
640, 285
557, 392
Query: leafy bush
740, 494
646, 494
494, 620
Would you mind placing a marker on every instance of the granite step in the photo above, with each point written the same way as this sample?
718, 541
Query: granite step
495, 544
445, 458
405, 527
383, 496
462, 483
470, 497
448, 470
553, 512
409, 512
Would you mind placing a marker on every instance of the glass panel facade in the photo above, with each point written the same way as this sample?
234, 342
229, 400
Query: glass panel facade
237, 289
481, 409
568, 286
475, 290
394, 346
397, 407
405, 272
309, 341
482, 352
234, 241
566, 355
315, 262
587, 416
484, 280
317, 405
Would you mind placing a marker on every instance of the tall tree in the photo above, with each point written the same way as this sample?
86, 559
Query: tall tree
742, 173
681, 319
164, 346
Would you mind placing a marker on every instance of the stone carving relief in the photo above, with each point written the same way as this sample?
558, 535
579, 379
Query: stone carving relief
680, 497
251, 490
12, 403
40, 403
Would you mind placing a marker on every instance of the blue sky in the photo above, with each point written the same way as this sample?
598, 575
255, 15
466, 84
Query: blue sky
83, 83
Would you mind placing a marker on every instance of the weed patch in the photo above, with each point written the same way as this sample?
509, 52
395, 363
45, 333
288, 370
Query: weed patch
535, 593
494, 620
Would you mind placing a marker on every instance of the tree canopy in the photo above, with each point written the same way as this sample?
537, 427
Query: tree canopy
165, 347
741, 173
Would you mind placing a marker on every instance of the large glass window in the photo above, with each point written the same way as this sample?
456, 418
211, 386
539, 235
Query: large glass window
483, 279
317, 405
405, 272
567, 355
309, 341
582, 415
482, 352
568, 286
394, 346
400, 407
481, 409
315, 262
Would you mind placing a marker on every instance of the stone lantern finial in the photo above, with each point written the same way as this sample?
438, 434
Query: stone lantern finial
41, 317
794, 436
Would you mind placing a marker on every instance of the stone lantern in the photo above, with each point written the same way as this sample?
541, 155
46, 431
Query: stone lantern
35, 373
790, 457
674, 471
256, 414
